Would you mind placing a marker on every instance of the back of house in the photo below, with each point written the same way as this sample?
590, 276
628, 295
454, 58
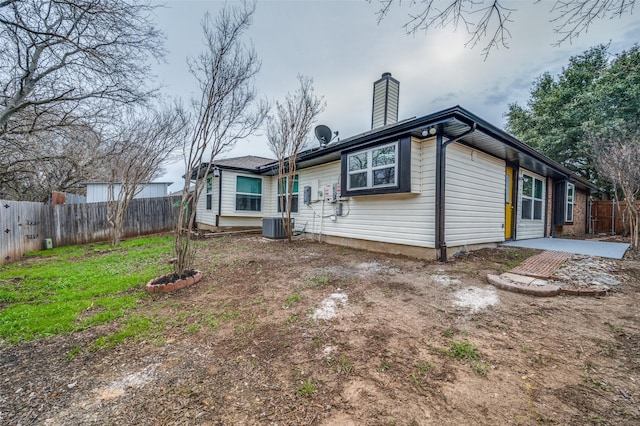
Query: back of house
425, 187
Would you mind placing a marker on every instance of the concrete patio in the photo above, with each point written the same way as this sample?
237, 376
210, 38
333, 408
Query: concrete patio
589, 248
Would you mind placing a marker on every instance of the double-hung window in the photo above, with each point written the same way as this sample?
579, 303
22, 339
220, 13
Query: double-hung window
384, 168
532, 198
209, 193
375, 167
248, 194
282, 194
570, 201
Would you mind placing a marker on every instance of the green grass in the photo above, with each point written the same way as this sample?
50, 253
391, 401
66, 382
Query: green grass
135, 328
463, 350
466, 351
307, 388
291, 299
343, 366
423, 369
448, 332
480, 368
67, 289
320, 280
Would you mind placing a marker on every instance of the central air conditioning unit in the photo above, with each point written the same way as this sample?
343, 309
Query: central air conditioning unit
272, 227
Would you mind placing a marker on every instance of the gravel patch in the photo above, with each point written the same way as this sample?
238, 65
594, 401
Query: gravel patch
329, 306
587, 272
476, 298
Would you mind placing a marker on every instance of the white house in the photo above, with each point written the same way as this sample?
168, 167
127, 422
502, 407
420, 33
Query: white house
424, 187
99, 191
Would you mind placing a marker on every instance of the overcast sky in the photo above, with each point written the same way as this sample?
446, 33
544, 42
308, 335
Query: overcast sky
343, 48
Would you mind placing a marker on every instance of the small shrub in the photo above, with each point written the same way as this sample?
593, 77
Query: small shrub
320, 280
193, 328
463, 350
307, 388
480, 368
448, 332
293, 318
385, 366
316, 341
291, 299
344, 366
616, 329
73, 352
423, 368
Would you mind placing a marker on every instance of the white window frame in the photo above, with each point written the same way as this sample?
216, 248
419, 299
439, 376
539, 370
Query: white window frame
209, 193
296, 178
570, 202
533, 199
249, 194
370, 169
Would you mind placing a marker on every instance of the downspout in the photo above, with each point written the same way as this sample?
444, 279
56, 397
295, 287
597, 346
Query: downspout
547, 207
552, 232
219, 198
514, 198
587, 226
441, 168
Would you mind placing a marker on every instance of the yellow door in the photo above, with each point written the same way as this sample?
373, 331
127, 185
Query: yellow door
508, 204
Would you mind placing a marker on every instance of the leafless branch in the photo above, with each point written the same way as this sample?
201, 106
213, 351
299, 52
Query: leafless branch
78, 52
574, 17
226, 111
287, 135
616, 156
490, 19
140, 148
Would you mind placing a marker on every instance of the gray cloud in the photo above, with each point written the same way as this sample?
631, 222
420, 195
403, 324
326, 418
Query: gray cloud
340, 45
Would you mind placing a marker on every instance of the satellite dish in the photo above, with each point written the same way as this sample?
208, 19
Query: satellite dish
323, 134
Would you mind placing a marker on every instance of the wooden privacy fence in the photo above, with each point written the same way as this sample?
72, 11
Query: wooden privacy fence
25, 226
606, 216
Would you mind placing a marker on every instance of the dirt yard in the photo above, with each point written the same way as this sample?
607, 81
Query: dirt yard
307, 333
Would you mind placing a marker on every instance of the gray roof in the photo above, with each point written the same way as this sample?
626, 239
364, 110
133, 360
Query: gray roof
245, 162
453, 123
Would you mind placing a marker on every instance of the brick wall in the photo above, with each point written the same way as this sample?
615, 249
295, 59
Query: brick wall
549, 205
579, 214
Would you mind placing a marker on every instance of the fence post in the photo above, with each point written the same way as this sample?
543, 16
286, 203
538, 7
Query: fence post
613, 217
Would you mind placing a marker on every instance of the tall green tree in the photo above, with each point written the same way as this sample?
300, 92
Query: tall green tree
594, 90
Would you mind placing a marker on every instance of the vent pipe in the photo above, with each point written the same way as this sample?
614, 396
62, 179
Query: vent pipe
386, 93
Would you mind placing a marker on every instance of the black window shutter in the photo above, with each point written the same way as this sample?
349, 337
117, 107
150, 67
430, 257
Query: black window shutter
559, 206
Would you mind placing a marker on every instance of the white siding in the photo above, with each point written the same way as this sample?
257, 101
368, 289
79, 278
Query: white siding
229, 215
474, 197
154, 190
529, 228
397, 218
98, 192
239, 221
208, 217
229, 195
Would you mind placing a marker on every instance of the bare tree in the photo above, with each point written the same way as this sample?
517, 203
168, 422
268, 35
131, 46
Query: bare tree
142, 146
226, 111
489, 19
59, 159
65, 61
617, 156
287, 135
